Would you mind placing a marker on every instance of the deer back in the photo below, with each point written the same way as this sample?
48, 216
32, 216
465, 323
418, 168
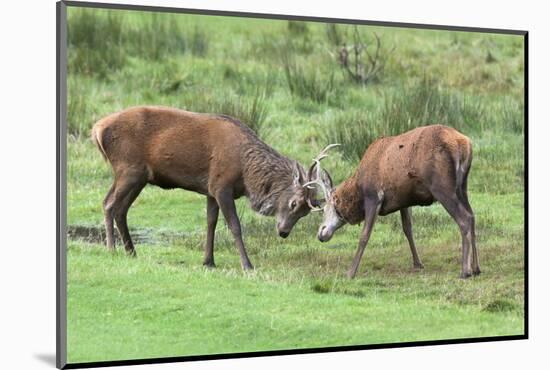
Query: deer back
403, 166
173, 148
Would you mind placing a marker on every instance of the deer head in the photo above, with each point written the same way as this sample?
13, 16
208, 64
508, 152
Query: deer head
321, 178
293, 202
300, 198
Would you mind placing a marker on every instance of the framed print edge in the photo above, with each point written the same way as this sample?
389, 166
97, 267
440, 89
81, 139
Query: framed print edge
288, 17
61, 189
61, 185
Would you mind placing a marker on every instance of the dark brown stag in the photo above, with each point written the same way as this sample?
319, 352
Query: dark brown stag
417, 168
213, 155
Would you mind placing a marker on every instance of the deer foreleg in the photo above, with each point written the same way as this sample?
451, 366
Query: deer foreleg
371, 211
407, 229
227, 205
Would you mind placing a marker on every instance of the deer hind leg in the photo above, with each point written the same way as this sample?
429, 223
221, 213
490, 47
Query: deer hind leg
463, 196
109, 217
212, 211
125, 193
465, 220
407, 229
227, 205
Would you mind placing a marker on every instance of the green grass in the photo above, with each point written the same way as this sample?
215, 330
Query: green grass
164, 303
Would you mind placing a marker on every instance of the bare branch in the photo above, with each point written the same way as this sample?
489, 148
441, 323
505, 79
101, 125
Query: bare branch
363, 61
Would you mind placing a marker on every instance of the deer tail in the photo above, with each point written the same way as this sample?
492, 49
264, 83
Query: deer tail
463, 162
97, 131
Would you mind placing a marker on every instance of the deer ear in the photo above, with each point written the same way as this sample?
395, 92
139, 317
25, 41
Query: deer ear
325, 177
311, 172
297, 175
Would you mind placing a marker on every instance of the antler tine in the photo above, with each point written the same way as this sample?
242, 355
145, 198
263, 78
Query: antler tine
319, 183
322, 155
314, 182
330, 146
322, 186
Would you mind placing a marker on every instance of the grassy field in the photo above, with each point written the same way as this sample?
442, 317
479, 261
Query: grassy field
285, 81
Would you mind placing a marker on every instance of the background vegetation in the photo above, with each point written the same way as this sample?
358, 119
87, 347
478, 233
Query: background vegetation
289, 82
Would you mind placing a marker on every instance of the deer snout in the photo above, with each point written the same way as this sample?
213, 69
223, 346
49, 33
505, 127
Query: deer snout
283, 233
324, 235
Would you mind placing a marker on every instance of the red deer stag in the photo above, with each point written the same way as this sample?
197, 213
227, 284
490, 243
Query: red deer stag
214, 155
417, 168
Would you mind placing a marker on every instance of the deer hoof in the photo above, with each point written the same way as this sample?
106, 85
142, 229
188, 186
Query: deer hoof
477, 272
465, 275
418, 266
248, 267
209, 264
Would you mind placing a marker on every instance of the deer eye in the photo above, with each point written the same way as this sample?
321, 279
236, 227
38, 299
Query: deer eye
292, 205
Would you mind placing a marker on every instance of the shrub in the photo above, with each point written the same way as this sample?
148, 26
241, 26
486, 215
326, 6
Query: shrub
362, 58
308, 83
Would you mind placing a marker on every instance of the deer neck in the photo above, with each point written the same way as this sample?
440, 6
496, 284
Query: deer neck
349, 201
267, 174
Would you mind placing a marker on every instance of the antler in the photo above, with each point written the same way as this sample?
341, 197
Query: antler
318, 180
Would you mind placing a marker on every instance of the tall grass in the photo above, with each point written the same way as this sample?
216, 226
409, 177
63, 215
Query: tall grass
297, 27
308, 83
428, 103
334, 34
417, 105
198, 42
507, 115
354, 130
157, 36
251, 111
77, 108
166, 85
94, 43
100, 42
87, 102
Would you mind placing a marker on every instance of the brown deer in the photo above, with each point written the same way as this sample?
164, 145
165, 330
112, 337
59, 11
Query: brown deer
417, 168
214, 155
